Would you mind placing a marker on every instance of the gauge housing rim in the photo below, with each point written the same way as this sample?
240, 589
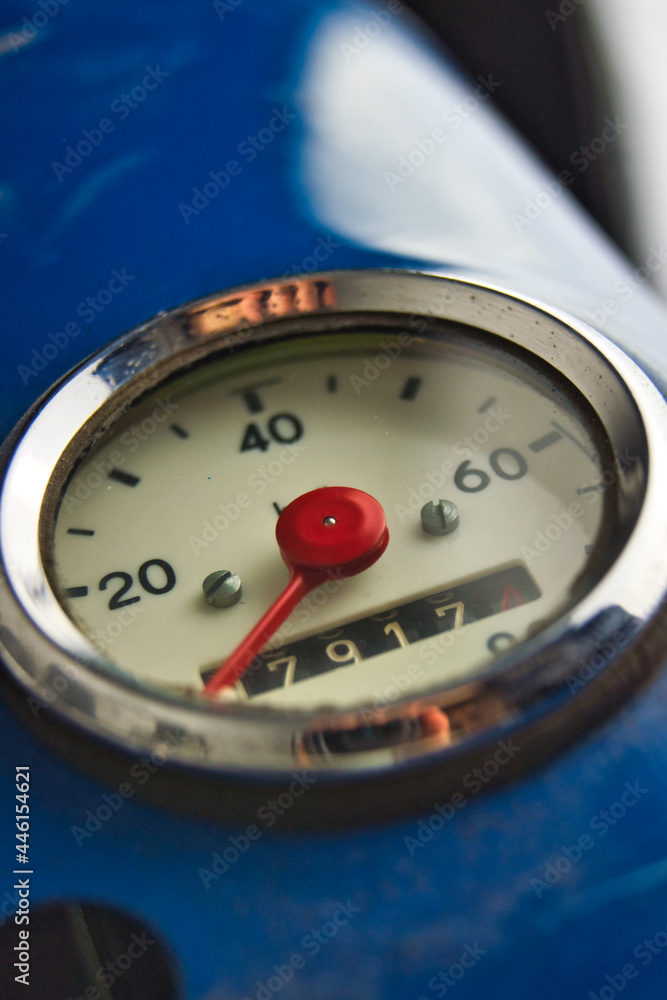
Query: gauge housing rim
223, 738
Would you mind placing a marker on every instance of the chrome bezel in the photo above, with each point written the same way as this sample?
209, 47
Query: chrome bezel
528, 689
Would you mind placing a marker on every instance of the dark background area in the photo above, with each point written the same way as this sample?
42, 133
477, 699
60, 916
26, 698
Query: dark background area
555, 89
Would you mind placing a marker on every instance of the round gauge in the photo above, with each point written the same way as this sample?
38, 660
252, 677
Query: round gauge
366, 525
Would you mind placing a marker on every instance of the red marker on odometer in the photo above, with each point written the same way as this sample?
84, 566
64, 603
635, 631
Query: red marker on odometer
335, 529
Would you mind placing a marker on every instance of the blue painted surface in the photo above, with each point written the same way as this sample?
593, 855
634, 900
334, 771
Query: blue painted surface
119, 207
413, 910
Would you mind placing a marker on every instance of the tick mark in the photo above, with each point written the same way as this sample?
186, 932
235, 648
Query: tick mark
544, 442
332, 383
250, 395
80, 531
485, 406
278, 509
411, 387
572, 439
178, 430
77, 592
124, 477
252, 401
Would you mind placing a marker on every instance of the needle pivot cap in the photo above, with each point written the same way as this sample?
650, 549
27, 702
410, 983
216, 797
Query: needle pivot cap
334, 527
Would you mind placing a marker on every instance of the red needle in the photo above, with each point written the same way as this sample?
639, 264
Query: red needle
335, 529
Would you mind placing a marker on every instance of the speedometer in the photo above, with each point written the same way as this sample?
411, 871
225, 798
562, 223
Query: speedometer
354, 525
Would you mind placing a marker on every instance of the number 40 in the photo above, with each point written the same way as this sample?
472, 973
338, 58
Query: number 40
284, 428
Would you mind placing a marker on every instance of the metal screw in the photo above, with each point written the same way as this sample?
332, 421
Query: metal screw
222, 588
329, 521
440, 518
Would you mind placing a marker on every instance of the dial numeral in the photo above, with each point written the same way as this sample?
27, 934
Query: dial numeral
151, 588
118, 600
473, 480
457, 608
350, 651
514, 459
289, 662
464, 474
284, 428
429, 617
393, 628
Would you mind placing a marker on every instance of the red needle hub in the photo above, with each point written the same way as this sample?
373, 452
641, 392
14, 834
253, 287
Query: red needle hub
335, 530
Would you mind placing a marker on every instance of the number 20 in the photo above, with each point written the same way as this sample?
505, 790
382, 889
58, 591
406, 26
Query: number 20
118, 600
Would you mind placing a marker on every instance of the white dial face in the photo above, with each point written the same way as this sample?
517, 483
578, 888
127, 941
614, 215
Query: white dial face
193, 480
